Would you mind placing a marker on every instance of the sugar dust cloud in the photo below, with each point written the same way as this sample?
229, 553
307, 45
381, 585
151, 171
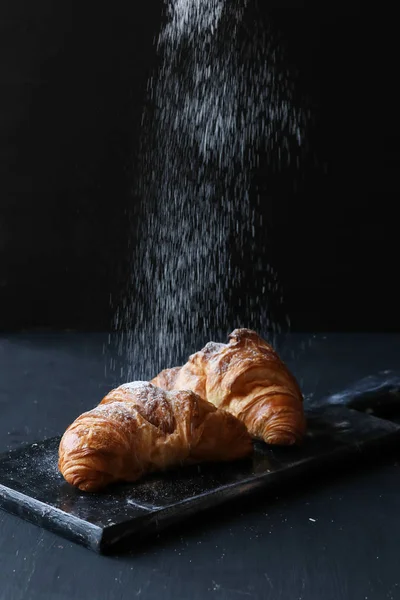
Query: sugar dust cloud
218, 97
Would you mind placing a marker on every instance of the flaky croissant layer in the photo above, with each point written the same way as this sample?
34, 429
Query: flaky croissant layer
247, 378
139, 428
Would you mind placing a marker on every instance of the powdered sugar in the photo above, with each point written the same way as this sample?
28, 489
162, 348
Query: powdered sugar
145, 392
120, 411
190, 18
217, 99
134, 386
213, 348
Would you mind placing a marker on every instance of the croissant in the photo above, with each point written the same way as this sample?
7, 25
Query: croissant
247, 378
139, 428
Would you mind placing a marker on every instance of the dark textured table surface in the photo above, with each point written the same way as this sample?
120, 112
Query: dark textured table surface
335, 538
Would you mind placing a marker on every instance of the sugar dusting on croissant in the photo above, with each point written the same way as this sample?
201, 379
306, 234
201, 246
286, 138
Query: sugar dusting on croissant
139, 428
247, 378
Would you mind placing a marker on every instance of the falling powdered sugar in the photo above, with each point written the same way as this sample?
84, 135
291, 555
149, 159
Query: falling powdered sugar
218, 98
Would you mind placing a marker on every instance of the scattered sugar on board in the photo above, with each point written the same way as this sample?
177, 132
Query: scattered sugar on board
45, 463
215, 101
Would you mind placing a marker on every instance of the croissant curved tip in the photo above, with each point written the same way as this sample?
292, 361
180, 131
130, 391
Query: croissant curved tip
287, 432
88, 469
83, 484
85, 478
282, 439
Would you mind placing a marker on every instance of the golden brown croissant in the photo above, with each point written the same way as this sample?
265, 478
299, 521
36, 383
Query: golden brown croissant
139, 428
247, 378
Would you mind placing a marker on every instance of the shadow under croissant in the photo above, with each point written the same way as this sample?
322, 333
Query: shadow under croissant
185, 471
259, 462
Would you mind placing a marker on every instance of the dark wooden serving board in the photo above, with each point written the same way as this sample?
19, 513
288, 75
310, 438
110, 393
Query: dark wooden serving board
32, 488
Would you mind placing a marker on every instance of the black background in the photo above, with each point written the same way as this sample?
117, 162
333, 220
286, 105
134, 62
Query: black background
72, 84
